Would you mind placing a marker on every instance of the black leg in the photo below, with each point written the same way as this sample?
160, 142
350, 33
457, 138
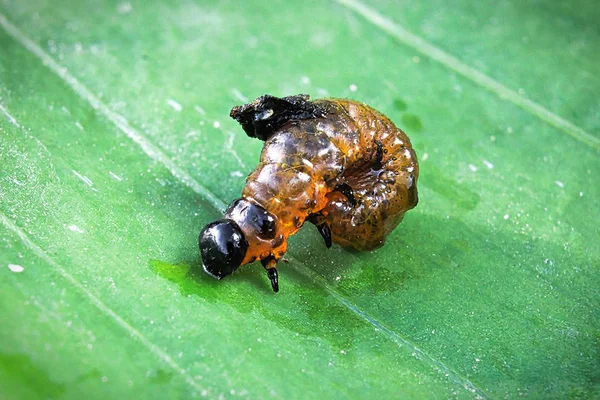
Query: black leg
326, 233
322, 227
269, 264
274, 278
347, 191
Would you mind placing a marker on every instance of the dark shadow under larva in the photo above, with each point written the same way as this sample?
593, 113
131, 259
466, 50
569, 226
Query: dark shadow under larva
336, 163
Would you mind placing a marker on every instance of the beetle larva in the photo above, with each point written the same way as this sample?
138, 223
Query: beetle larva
337, 163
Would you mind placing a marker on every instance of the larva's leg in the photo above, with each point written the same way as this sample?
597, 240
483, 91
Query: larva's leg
322, 227
358, 226
325, 233
270, 263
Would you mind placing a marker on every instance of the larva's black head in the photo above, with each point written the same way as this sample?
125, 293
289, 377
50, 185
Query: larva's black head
268, 113
223, 247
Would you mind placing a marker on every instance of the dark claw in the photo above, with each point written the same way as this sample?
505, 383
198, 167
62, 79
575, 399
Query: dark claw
347, 191
326, 233
274, 278
271, 271
322, 227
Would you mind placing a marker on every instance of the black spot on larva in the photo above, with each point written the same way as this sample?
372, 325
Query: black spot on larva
262, 117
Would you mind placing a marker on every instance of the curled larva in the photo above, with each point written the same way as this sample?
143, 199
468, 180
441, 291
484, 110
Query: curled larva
336, 163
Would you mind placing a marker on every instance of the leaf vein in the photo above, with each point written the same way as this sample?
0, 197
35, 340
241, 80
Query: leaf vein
429, 50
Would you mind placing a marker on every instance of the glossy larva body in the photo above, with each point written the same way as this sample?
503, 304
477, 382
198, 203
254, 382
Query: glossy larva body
337, 163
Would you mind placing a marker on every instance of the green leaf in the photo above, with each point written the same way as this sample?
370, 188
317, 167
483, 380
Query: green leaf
116, 149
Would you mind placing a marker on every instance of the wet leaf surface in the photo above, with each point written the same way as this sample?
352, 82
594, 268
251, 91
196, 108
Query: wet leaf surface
116, 148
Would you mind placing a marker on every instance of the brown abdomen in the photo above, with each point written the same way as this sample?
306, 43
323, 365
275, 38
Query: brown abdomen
384, 189
302, 163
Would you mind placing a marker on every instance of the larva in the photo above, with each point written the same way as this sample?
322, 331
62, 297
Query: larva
337, 163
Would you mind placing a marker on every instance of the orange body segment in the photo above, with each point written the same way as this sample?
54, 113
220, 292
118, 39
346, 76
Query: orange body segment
305, 161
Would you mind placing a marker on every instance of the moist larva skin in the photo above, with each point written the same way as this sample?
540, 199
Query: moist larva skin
338, 163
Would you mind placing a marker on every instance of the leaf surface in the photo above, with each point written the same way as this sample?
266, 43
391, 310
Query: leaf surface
116, 148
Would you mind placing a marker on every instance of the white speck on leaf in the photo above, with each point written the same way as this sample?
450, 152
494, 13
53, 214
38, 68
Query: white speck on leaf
175, 105
560, 184
236, 174
117, 177
473, 168
216, 124
488, 164
15, 268
353, 88
124, 8
506, 216
95, 50
200, 110
322, 92
238, 95
75, 228
305, 80
85, 179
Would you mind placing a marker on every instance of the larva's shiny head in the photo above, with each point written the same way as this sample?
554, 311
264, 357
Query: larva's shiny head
223, 247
